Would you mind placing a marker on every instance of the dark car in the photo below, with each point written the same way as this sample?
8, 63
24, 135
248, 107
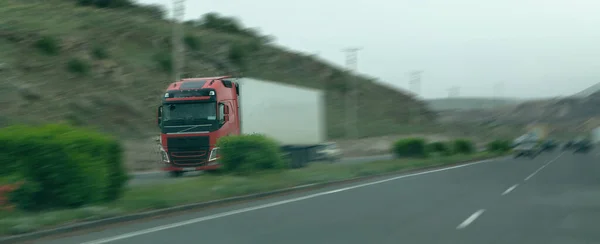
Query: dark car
528, 149
548, 145
582, 146
568, 145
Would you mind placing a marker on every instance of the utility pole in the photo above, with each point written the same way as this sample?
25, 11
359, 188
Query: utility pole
351, 102
415, 81
177, 39
415, 85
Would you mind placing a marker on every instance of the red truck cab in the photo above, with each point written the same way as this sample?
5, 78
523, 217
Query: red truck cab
193, 115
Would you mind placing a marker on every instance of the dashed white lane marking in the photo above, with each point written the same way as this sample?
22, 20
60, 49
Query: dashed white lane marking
243, 210
470, 219
509, 189
543, 166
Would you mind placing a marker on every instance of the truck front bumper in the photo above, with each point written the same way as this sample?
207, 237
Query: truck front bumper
208, 166
213, 163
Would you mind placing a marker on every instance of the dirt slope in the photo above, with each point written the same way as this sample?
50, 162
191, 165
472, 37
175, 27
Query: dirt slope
107, 67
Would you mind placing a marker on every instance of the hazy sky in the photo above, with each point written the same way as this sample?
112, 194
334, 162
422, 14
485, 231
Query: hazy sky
538, 48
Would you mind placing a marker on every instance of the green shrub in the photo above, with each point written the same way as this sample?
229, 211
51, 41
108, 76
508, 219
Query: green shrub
499, 146
85, 2
106, 3
217, 22
236, 55
62, 166
78, 66
100, 52
440, 148
464, 146
118, 176
249, 153
155, 11
48, 45
231, 25
192, 42
164, 61
412, 147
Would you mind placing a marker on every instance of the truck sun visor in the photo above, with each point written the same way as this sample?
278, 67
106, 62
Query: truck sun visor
190, 93
192, 84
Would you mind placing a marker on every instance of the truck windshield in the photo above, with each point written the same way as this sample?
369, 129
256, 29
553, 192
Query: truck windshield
188, 113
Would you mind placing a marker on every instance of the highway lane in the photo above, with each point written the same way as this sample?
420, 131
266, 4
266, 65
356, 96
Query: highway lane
558, 204
488, 202
158, 177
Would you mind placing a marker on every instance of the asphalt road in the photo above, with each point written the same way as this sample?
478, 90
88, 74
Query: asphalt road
158, 177
554, 198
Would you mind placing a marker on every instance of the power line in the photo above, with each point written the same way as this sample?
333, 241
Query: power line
351, 102
177, 37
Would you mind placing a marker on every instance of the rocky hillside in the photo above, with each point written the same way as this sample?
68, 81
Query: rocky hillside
566, 115
588, 91
105, 65
466, 103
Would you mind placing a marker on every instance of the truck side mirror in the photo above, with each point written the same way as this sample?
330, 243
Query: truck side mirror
226, 118
159, 115
226, 109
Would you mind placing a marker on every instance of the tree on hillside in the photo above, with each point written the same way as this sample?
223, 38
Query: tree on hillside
231, 25
107, 3
215, 21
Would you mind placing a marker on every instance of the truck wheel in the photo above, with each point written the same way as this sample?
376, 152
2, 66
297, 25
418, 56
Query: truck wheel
175, 174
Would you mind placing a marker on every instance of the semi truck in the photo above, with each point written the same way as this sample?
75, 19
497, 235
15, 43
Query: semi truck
195, 113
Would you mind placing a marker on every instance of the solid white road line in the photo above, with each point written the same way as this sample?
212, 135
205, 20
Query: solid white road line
543, 166
243, 210
509, 189
470, 219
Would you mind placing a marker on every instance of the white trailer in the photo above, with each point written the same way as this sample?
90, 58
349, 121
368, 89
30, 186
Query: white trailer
292, 115
596, 135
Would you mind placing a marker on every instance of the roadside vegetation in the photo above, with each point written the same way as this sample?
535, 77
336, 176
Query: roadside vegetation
61, 174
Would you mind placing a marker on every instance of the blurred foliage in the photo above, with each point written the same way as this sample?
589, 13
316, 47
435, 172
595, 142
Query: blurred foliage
410, 148
499, 146
61, 166
464, 146
78, 66
250, 153
48, 45
441, 148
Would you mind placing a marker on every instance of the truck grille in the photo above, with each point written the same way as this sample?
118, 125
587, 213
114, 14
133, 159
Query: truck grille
188, 151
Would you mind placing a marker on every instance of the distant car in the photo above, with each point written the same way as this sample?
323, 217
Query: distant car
582, 146
514, 144
330, 152
528, 149
548, 145
568, 145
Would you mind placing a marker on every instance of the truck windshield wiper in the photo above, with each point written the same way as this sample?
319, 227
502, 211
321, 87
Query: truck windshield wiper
192, 127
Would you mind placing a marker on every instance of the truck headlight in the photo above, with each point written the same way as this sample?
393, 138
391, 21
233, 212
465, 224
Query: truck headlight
164, 156
214, 154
